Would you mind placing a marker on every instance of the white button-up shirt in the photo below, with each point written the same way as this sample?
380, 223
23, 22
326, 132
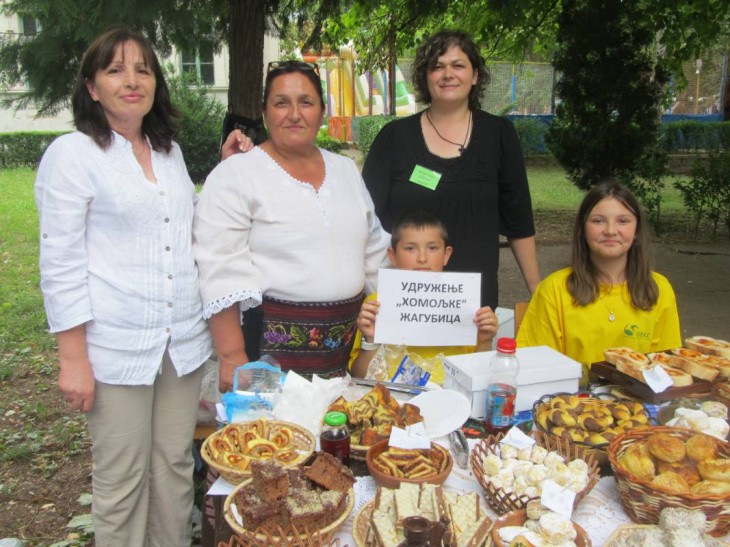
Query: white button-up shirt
116, 255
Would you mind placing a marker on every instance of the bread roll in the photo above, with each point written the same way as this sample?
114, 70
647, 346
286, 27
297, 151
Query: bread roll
711, 346
701, 447
710, 488
626, 355
687, 471
636, 461
665, 447
717, 469
669, 480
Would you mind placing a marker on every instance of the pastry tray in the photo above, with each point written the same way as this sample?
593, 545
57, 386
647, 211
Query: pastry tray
607, 371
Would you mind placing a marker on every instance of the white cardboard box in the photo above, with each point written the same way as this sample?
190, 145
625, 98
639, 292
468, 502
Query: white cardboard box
542, 370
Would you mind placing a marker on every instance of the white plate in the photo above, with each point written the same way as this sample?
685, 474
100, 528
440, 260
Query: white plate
443, 410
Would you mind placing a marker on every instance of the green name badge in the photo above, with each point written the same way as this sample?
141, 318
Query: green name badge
425, 177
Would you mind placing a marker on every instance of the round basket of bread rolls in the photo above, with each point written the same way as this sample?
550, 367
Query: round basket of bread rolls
657, 467
590, 422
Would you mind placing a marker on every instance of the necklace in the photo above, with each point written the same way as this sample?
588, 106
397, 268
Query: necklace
461, 146
136, 153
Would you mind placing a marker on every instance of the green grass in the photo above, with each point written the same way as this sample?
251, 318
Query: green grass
551, 190
22, 317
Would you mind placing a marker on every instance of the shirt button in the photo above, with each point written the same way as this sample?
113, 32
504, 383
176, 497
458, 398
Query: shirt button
169, 304
162, 192
169, 276
167, 248
45, 236
167, 220
167, 330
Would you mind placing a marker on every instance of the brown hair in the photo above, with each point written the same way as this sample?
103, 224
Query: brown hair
584, 281
428, 53
159, 124
418, 219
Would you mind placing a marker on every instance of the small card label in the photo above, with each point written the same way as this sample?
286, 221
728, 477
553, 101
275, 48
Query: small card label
557, 498
411, 437
425, 177
658, 379
515, 437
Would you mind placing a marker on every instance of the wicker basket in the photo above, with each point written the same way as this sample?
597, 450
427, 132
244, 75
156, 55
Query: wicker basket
598, 451
303, 443
503, 501
322, 536
319, 541
643, 503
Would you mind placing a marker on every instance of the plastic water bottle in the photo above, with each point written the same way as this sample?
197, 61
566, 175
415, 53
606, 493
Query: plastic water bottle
502, 389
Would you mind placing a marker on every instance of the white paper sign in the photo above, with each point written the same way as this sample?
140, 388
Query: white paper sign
557, 498
516, 437
427, 308
657, 379
411, 437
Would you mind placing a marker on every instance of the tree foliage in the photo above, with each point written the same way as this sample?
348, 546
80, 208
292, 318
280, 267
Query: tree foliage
610, 90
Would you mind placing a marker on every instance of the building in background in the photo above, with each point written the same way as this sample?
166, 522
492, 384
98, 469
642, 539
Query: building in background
210, 66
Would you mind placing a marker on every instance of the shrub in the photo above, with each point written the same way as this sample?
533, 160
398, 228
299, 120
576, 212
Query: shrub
201, 123
691, 136
368, 129
531, 132
24, 149
327, 142
707, 192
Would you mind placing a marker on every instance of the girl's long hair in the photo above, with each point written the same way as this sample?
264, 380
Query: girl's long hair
584, 281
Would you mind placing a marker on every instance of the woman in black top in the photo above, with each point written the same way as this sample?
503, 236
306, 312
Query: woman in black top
458, 161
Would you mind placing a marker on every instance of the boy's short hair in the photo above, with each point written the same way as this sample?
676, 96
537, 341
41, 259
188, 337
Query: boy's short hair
418, 219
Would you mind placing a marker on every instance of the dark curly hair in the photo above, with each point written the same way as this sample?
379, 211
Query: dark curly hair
159, 124
428, 53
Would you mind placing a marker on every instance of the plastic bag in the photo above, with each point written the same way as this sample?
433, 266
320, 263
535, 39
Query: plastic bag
262, 382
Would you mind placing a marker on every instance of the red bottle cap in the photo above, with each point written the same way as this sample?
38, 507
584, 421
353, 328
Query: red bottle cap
506, 345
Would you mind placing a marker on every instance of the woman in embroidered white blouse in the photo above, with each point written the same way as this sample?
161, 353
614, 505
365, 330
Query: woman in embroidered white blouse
290, 230
121, 290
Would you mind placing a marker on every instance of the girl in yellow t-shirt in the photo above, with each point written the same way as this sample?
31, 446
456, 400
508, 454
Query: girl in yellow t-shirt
610, 296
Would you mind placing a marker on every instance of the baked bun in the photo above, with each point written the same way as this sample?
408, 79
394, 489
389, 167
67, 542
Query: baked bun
710, 346
665, 447
710, 488
687, 471
714, 409
701, 447
717, 469
637, 461
626, 355
669, 480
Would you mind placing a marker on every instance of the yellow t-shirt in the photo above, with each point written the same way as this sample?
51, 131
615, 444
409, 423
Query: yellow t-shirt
429, 353
583, 332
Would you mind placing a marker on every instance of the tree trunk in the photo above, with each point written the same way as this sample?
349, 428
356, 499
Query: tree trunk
246, 43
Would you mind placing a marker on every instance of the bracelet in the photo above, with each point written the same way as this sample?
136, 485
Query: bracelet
368, 346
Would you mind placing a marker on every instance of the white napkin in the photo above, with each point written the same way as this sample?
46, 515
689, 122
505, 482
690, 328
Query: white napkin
304, 403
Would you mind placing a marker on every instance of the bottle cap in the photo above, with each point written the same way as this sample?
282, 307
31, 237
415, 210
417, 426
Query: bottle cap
335, 418
506, 345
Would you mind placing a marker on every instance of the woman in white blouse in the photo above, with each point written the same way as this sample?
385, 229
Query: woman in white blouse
287, 230
121, 290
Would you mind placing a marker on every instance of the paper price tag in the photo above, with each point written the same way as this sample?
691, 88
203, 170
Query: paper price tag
401, 438
515, 437
657, 379
556, 498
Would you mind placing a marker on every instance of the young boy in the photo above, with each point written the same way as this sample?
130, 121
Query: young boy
418, 242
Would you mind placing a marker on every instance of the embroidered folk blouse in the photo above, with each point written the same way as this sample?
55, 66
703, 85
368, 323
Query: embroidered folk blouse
258, 231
